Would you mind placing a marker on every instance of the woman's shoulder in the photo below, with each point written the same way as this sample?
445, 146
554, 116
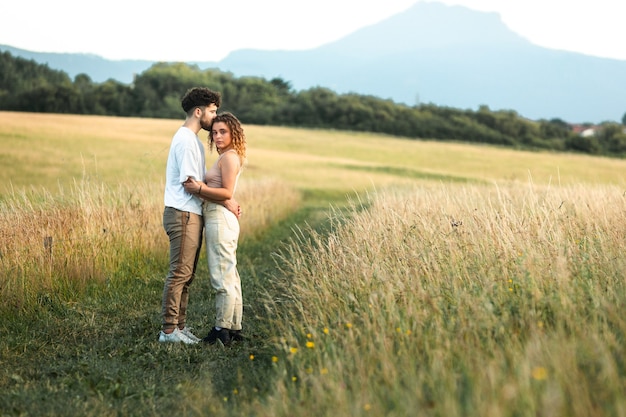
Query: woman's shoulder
231, 155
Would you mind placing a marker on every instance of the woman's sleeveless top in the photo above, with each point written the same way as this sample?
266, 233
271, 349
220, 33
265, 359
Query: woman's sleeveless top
214, 174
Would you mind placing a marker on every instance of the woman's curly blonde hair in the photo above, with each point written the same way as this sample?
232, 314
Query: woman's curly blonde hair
236, 133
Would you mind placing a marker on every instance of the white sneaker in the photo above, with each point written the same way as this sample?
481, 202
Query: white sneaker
175, 337
187, 332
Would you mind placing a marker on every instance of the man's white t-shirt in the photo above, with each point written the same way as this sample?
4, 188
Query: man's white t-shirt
186, 159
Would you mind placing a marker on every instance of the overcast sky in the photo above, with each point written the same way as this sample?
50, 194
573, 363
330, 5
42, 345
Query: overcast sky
165, 30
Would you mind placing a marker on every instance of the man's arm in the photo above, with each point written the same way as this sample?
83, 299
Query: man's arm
194, 187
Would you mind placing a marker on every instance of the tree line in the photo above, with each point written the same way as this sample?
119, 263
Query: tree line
32, 87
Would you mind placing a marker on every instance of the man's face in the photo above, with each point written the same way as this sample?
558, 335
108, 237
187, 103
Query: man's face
207, 117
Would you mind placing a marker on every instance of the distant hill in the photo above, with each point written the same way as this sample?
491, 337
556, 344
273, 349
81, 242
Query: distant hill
431, 53
98, 68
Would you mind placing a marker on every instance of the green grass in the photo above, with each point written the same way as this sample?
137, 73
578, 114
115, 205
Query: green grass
381, 276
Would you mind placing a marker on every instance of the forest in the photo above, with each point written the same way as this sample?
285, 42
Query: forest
28, 86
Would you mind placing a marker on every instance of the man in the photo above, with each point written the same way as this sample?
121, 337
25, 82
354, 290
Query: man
182, 217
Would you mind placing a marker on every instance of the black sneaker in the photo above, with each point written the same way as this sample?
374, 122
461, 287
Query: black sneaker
215, 335
236, 336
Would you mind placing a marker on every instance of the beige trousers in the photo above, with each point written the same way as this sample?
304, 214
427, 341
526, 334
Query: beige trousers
222, 235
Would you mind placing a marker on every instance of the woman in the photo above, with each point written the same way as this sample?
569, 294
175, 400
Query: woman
221, 225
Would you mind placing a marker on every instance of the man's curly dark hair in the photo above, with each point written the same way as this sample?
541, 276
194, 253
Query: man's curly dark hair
200, 97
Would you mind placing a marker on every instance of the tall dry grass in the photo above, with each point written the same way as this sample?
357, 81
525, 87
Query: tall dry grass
91, 234
458, 300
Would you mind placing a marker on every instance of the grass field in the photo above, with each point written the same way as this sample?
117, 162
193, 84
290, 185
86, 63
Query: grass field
381, 276
43, 150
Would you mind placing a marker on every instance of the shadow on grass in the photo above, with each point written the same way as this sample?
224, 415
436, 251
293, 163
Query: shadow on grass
410, 173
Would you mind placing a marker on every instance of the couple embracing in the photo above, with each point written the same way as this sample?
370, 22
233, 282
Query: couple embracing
196, 200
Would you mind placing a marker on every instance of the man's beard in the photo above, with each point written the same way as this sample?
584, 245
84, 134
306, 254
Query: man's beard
205, 126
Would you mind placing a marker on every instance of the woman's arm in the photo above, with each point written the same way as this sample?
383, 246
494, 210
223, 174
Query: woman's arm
229, 166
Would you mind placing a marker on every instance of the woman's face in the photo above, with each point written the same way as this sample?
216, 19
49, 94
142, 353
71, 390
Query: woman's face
221, 136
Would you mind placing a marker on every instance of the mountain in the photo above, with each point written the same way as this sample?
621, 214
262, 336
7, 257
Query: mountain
431, 53
98, 68
451, 56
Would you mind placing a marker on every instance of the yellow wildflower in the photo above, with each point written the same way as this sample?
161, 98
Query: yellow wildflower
540, 373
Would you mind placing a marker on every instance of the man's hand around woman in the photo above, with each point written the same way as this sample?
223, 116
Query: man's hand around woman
193, 186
